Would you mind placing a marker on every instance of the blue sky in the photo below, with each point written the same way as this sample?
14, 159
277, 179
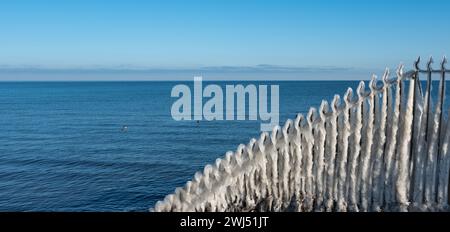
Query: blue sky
189, 34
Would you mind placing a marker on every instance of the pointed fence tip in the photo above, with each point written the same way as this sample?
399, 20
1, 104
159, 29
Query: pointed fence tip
430, 61
386, 75
360, 90
444, 61
416, 64
400, 70
311, 114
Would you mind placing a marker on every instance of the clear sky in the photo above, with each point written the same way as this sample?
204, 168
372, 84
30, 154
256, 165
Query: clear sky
174, 34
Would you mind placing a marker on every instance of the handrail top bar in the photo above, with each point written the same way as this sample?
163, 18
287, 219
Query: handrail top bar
412, 73
433, 71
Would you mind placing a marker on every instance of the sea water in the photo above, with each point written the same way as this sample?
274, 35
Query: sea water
114, 146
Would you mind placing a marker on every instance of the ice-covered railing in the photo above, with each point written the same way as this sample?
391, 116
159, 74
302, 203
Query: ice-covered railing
385, 149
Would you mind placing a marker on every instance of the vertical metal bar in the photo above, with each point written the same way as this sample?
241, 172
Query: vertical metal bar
441, 106
413, 131
428, 97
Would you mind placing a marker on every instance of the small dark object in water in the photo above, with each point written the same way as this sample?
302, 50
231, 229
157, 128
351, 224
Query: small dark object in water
125, 128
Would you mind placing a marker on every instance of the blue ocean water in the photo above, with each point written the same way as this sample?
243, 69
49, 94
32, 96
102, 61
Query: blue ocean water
62, 147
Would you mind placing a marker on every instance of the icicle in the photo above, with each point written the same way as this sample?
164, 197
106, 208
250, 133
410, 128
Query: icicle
283, 146
381, 114
393, 115
273, 153
320, 153
443, 175
444, 159
262, 162
344, 133
308, 143
432, 158
366, 153
290, 133
330, 154
421, 148
418, 144
403, 149
356, 151
299, 171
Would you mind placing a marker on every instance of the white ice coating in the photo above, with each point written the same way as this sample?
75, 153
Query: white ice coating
364, 179
390, 155
355, 151
380, 140
402, 180
384, 149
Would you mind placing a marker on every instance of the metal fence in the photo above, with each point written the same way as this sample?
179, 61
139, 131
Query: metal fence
383, 149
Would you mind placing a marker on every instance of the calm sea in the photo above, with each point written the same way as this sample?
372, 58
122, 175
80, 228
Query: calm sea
62, 147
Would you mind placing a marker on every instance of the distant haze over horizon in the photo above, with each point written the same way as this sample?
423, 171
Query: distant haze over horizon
232, 73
